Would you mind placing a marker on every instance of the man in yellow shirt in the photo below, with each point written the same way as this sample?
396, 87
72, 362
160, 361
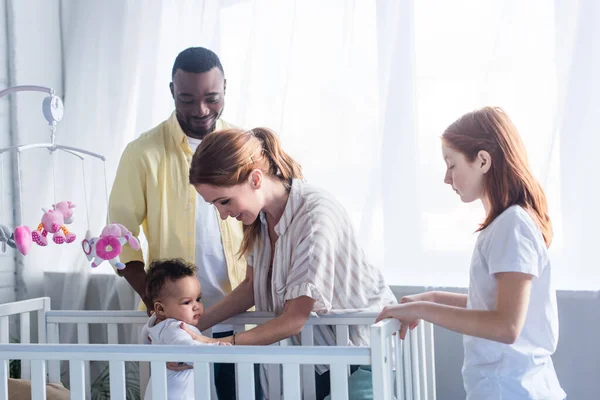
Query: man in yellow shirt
152, 190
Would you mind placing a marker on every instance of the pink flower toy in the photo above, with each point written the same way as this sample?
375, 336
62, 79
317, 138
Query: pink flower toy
108, 246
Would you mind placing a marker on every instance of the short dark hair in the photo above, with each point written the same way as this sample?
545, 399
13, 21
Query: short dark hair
161, 270
196, 60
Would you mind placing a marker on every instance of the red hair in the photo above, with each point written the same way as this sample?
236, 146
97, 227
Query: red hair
226, 158
509, 180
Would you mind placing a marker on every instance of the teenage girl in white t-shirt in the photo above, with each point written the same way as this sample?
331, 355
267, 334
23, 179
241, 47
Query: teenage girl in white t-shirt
509, 317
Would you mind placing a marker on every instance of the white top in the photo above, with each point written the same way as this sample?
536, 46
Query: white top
317, 254
513, 243
180, 384
210, 256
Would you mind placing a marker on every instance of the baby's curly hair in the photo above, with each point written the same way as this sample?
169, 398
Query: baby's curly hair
161, 270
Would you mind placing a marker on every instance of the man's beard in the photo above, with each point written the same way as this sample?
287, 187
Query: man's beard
200, 134
197, 133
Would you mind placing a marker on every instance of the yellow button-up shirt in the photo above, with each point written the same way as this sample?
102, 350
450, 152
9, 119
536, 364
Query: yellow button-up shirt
152, 189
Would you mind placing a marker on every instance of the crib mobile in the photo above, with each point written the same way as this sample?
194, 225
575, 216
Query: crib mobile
107, 246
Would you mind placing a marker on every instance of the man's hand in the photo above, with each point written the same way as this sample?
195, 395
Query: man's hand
135, 274
149, 306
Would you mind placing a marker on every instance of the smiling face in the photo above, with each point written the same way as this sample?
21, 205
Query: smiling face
199, 100
243, 201
181, 300
466, 178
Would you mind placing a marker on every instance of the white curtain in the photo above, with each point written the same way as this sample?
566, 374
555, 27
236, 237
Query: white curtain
360, 92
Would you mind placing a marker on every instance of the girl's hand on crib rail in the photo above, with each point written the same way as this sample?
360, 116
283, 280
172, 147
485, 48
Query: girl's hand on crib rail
411, 299
406, 313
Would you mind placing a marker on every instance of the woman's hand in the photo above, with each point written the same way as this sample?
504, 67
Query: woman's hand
202, 338
180, 366
406, 313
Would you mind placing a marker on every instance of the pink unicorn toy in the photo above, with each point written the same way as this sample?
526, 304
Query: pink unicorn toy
53, 221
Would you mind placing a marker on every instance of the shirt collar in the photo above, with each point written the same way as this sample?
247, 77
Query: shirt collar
291, 208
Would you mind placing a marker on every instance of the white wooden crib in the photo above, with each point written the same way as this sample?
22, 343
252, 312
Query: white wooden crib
400, 370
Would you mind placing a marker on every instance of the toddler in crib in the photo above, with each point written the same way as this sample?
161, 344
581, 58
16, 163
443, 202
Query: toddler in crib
176, 297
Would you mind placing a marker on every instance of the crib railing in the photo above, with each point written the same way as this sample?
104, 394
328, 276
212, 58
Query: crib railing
403, 370
23, 310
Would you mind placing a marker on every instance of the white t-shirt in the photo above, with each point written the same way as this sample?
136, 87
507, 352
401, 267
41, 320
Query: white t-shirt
180, 384
210, 256
524, 370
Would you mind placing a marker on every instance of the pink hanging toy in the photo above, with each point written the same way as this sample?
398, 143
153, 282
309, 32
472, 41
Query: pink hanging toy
108, 246
53, 221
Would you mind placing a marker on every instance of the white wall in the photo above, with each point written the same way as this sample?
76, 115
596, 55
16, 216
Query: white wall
577, 358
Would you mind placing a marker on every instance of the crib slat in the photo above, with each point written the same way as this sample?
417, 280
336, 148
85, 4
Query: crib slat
245, 381
158, 369
4, 329
25, 336
83, 333
430, 360
342, 338
399, 368
339, 382
77, 379
291, 382
112, 333
4, 379
144, 368
381, 384
83, 337
422, 362
342, 335
38, 380
407, 367
53, 366
202, 382
391, 356
25, 328
274, 379
307, 338
116, 371
414, 358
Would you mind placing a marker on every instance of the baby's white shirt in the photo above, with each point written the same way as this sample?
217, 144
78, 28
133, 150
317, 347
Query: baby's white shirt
180, 384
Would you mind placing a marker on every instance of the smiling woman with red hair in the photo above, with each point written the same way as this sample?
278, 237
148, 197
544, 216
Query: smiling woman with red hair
303, 254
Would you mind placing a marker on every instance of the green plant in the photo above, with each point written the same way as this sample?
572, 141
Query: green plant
14, 366
101, 385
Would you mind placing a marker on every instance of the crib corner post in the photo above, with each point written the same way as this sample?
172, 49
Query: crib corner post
43, 321
379, 363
